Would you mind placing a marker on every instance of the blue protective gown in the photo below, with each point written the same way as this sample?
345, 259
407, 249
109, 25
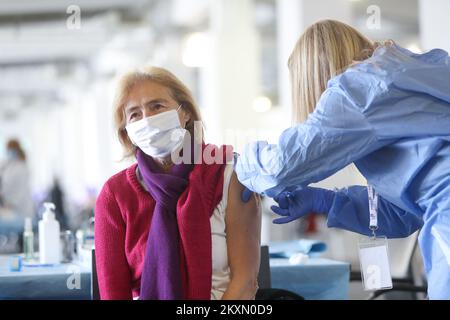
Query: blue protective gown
390, 115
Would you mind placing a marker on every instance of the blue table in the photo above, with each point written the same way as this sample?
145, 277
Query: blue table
317, 279
65, 281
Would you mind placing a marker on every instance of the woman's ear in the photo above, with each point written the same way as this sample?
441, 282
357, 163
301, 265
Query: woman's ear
186, 117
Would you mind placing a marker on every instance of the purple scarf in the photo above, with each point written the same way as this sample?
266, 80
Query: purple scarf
161, 274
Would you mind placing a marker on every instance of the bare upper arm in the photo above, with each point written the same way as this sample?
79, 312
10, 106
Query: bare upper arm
243, 228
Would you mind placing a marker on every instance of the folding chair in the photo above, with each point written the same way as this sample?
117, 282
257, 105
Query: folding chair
95, 293
265, 290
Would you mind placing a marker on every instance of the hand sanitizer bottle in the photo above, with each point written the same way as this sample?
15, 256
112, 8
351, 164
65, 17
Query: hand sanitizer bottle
49, 236
28, 240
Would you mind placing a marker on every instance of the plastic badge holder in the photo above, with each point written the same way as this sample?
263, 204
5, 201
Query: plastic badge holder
374, 260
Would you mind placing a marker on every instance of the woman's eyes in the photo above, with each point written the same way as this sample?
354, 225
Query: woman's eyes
158, 106
154, 107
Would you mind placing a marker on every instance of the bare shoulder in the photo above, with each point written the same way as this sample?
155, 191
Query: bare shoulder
235, 203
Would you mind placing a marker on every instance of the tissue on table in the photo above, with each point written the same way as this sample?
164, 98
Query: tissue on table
287, 249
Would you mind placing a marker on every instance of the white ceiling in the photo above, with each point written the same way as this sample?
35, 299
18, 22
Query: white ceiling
35, 43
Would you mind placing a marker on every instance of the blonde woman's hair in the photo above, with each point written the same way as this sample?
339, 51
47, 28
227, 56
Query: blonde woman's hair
324, 50
177, 90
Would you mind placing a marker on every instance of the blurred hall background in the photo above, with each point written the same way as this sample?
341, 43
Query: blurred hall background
59, 61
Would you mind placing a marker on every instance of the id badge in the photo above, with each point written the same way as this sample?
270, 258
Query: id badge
374, 260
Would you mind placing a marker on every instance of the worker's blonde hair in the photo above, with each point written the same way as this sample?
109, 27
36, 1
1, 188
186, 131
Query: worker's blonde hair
324, 50
178, 91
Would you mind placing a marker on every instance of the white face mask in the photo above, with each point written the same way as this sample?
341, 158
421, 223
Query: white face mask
158, 136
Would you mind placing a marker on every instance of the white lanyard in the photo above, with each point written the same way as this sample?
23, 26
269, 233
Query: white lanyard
373, 209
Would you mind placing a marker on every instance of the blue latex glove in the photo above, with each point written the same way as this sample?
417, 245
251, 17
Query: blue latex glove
246, 195
300, 202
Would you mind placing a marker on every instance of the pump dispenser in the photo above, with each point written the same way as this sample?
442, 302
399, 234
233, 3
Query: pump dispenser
49, 236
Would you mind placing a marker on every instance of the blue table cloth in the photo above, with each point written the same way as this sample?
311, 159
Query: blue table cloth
62, 282
317, 279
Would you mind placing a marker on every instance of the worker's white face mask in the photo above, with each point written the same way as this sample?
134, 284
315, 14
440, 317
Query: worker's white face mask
158, 136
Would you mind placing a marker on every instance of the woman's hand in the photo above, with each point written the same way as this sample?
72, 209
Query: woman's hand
300, 202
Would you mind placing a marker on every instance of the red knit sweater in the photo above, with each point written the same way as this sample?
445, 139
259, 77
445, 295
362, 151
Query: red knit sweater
122, 221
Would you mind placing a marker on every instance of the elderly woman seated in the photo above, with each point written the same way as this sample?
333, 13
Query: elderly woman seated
172, 226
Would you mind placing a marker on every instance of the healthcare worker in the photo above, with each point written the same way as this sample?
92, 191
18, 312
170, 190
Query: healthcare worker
382, 107
16, 202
